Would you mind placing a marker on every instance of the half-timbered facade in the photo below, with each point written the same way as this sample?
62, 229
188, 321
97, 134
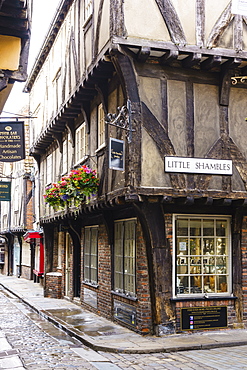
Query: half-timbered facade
142, 91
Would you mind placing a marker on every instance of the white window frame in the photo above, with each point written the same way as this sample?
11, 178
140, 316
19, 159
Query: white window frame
229, 253
101, 126
81, 143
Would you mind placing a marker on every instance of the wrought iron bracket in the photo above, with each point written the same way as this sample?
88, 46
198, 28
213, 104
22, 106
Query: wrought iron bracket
236, 79
122, 119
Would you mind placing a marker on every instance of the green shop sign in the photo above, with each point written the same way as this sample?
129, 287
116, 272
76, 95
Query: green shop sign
5, 190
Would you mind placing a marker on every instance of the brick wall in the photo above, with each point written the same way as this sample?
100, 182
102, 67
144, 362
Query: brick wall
104, 294
53, 286
26, 272
231, 313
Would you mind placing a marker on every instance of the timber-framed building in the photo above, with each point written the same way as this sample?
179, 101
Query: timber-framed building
162, 79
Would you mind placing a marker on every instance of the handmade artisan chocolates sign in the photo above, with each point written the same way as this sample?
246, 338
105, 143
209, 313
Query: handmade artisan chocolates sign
12, 144
198, 318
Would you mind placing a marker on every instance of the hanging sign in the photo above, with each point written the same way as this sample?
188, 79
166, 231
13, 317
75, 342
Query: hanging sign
5, 190
198, 165
116, 154
239, 7
12, 143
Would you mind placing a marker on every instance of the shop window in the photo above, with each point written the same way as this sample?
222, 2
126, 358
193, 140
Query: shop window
125, 257
91, 255
101, 126
202, 255
81, 140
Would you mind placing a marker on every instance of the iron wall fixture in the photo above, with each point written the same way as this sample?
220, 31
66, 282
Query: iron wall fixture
122, 119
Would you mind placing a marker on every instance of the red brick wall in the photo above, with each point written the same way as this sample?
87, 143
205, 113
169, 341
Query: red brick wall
106, 297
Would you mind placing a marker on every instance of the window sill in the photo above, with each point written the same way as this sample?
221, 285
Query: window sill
100, 148
81, 161
91, 284
203, 298
134, 299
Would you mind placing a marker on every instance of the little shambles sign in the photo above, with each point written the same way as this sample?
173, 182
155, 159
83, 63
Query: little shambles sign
198, 165
12, 145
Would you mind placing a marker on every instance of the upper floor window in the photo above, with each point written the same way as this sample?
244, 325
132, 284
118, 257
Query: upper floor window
101, 126
49, 169
65, 157
91, 255
202, 251
57, 88
81, 139
5, 221
125, 257
88, 9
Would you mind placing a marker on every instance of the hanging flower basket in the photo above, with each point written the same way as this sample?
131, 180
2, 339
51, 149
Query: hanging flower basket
75, 186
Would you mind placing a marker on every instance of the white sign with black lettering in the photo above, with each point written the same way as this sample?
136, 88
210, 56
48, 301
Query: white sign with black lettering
239, 7
198, 165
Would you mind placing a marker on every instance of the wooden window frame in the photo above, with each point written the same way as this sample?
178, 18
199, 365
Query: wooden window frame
90, 269
123, 259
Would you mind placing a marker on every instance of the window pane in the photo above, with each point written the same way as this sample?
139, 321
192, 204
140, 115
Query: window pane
221, 284
182, 265
195, 227
208, 227
208, 246
195, 246
220, 246
221, 227
182, 246
196, 284
195, 265
182, 227
182, 285
221, 265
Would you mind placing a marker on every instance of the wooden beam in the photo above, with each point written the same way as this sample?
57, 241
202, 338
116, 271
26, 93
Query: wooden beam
169, 57
211, 62
143, 54
172, 21
192, 60
200, 22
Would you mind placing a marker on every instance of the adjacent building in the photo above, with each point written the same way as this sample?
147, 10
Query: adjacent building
151, 95
15, 18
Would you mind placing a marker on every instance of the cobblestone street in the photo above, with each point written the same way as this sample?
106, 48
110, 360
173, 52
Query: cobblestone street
28, 341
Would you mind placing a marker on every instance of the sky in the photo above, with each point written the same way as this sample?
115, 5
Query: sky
43, 13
